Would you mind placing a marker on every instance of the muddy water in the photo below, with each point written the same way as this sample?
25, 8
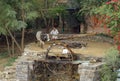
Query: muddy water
93, 48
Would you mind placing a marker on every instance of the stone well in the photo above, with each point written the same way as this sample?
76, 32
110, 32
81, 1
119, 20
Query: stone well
22, 69
86, 71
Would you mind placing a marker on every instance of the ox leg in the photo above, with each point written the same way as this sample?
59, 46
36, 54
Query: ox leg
41, 43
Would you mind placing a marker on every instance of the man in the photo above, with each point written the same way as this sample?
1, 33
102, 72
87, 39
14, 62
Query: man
54, 33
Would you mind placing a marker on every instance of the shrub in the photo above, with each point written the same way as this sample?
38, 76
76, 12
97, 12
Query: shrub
10, 61
108, 72
112, 58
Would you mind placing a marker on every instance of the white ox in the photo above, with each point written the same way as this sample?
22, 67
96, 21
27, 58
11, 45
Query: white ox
38, 36
41, 38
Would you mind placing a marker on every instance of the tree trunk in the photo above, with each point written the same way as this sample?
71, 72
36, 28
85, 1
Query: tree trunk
85, 25
46, 4
85, 28
13, 48
14, 40
45, 21
60, 22
23, 29
48, 25
82, 28
52, 21
8, 46
22, 40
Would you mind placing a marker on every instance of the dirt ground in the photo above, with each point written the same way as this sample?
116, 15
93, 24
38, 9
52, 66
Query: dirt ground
2, 63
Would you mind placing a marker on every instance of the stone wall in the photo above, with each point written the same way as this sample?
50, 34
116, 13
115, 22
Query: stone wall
9, 74
22, 69
88, 37
98, 38
22, 72
89, 72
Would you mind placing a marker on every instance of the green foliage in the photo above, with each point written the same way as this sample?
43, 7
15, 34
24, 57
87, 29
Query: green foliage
108, 72
32, 15
111, 11
8, 18
39, 4
2, 30
11, 12
112, 58
4, 54
10, 61
52, 12
87, 6
49, 8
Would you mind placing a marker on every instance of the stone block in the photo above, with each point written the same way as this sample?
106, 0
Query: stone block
22, 72
89, 72
9, 68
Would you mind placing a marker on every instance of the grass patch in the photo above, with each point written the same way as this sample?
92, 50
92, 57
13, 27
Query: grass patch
10, 61
4, 54
108, 71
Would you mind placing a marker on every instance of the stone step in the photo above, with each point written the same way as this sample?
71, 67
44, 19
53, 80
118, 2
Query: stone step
9, 80
9, 68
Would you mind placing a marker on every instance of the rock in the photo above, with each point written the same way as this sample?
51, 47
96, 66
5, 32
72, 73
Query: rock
92, 60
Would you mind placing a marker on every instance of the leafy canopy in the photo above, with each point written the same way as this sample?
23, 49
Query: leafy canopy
8, 18
111, 10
